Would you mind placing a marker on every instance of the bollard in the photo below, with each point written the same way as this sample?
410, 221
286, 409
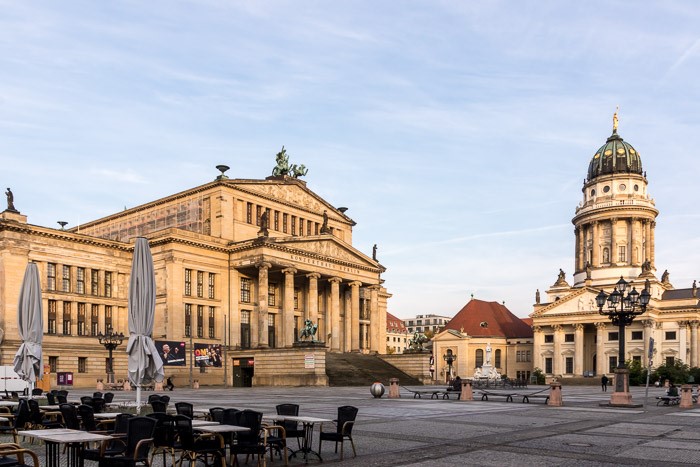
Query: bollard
555, 399
466, 394
686, 397
127, 385
394, 388
158, 386
100, 385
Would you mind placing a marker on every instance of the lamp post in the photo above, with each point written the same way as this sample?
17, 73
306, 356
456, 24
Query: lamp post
449, 358
111, 341
622, 309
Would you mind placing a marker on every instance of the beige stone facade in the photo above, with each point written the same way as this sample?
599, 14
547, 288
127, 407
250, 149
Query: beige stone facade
221, 278
614, 238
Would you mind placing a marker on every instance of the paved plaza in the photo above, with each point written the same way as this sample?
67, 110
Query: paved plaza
414, 432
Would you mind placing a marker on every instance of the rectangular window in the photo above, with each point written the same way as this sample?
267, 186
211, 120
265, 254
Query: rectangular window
518, 356
52, 317
296, 298
528, 356
65, 283
245, 290
249, 213
94, 320
53, 364
212, 322
200, 321
94, 282
200, 284
108, 317
569, 363
613, 336
637, 335
212, 285
294, 225
548, 365
297, 319
258, 214
81, 319
277, 221
271, 329
284, 223
245, 329
80, 281
82, 364
622, 257
108, 284
548, 338
316, 229
670, 335
637, 358
670, 361
568, 337
301, 227
308, 227
188, 320
188, 282
271, 294
612, 361
51, 277
67, 312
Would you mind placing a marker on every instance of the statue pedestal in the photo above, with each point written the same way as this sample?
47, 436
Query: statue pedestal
467, 394
622, 397
309, 345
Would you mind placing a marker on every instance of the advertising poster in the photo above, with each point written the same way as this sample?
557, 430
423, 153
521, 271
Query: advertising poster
172, 352
207, 355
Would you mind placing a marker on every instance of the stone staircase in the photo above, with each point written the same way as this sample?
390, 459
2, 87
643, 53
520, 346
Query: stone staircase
356, 369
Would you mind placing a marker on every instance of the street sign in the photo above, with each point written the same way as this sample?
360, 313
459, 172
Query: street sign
651, 348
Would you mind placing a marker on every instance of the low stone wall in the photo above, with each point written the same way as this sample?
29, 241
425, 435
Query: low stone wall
414, 364
290, 367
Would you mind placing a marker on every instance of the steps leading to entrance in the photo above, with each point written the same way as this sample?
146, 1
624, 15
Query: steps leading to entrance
356, 369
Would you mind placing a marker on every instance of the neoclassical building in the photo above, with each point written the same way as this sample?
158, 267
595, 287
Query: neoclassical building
239, 263
614, 237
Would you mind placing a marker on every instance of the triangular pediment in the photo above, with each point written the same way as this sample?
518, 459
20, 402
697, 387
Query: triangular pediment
327, 248
578, 302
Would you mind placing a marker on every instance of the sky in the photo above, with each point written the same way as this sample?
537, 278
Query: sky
458, 133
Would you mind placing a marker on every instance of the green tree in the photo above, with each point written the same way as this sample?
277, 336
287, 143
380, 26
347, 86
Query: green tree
539, 375
638, 375
677, 373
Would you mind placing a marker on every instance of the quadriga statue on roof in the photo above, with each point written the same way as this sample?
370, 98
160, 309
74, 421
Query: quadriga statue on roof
284, 169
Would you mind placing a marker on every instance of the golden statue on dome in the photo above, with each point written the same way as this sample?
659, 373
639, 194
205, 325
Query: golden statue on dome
615, 120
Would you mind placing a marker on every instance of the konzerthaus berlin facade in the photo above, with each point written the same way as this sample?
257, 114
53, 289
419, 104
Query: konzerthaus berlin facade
239, 265
614, 227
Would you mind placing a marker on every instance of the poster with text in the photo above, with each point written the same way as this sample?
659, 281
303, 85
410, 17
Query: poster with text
207, 355
172, 352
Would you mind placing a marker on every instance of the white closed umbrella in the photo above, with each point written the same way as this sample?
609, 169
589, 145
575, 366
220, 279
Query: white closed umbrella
30, 326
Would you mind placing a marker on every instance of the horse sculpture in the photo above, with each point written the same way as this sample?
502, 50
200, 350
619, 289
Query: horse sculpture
308, 331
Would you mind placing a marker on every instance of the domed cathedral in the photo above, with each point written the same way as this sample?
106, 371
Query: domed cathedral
256, 279
614, 239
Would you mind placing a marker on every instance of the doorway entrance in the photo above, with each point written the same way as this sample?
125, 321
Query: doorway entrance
243, 370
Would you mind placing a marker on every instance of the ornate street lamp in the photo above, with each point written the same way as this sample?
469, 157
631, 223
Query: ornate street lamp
449, 358
111, 341
622, 309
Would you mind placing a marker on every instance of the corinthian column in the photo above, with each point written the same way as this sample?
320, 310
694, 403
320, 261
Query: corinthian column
648, 330
262, 303
312, 311
578, 349
596, 243
375, 326
288, 307
652, 229
600, 349
694, 342
556, 363
335, 313
355, 315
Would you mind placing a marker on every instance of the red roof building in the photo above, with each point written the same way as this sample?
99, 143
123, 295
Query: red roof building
396, 334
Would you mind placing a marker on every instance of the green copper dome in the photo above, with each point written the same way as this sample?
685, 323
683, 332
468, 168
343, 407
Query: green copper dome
615, 156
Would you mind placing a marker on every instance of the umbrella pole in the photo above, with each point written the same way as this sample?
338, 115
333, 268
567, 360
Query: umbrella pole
138, 399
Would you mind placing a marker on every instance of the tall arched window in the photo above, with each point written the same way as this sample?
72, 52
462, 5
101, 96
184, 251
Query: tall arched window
497, 360
479, 358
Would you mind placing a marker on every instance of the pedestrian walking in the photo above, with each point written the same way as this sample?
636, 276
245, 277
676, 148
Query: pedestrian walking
604, 383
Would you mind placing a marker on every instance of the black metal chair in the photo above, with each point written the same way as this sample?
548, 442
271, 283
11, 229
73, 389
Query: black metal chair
87, 400
37, 419
346, 420
87, 417
165, 399
108, 397
12, 454
291, 427
158, 406
61, 398
98, 404
184, 408
22, 418
153, 397
97, 394
139, 438
37, 391
164, 436
51, 398
113, 447
70, 416
250, 442
216, 414
201, 447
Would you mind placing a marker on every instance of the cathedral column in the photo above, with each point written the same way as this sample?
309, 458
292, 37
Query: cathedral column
683, 340
613, 241
334, 325
556, 362
262, 303
646, 225
633, 242
288, 307
579, 264
312, 310
652, 229
648, 329
355, 315
596, 244
537, 339
694, 342
374, 327
600, 363
578, 349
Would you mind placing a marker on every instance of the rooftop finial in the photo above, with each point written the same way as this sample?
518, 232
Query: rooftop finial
615, 119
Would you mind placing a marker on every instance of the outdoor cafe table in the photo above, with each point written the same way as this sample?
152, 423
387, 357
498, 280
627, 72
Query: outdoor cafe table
308, 424
106, 415
196, 423
56, 436
9, 403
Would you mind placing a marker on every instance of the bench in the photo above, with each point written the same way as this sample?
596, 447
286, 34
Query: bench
536, 395
668, 400
434, 393
485, 395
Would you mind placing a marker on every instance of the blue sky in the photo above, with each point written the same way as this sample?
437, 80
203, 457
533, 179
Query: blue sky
457, 133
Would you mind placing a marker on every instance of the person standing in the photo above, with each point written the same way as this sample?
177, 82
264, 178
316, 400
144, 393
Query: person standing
604, 383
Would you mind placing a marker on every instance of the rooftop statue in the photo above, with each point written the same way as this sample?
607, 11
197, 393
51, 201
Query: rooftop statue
283, 168
10, 200
615, 119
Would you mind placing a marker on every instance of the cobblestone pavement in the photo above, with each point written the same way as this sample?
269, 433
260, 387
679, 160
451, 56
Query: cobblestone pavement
412, 432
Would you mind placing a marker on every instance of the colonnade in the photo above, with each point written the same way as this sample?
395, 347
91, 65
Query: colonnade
590, 241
